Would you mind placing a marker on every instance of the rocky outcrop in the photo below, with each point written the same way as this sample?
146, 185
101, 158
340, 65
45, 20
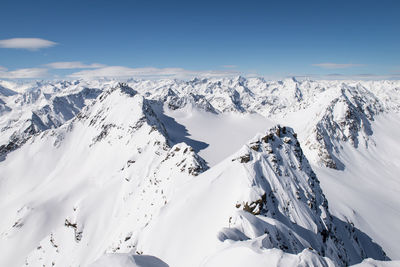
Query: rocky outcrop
346, 119
287, 209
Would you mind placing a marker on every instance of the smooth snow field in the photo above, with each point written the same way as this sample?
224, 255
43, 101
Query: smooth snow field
215, 137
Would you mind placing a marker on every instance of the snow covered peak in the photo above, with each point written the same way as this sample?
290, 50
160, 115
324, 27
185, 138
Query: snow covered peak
186, 159
278, 159
121, 88
348, 117
98, 180
6, 92
26, 114
265, 196
89, 174
121, 108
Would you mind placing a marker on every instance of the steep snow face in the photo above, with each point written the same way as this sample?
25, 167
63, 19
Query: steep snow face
86, 165
367, 192
72, 193
348, 117
271, 199
39, 108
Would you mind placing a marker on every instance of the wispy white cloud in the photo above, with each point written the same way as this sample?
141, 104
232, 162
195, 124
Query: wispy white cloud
336, 65
28, 73
73, 65
353, 77
26, 43
229, 66
150, 73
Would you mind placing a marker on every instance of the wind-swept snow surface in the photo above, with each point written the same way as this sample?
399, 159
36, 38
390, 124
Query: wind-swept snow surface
126, 260
271, 199
368, 192
199, 173
88, 186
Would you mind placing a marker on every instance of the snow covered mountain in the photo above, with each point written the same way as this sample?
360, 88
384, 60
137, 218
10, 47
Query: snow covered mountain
89, 185
38, 108
272, 199
99, 172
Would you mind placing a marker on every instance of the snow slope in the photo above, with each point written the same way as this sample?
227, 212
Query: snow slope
367, 193
86, 167
39, 107
126, 260
271, 199
87, 186
359, 138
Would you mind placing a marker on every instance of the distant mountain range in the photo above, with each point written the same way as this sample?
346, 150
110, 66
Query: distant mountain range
145, 173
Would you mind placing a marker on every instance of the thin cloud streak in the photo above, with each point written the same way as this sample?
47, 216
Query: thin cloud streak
149, 73
28, 73
229, 66
352, 77
74, 65
26, 43
336, 65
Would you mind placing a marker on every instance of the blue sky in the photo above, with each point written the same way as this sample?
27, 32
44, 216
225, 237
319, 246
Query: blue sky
274, 39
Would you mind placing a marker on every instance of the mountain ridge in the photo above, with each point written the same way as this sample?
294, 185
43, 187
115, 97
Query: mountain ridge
100, 167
